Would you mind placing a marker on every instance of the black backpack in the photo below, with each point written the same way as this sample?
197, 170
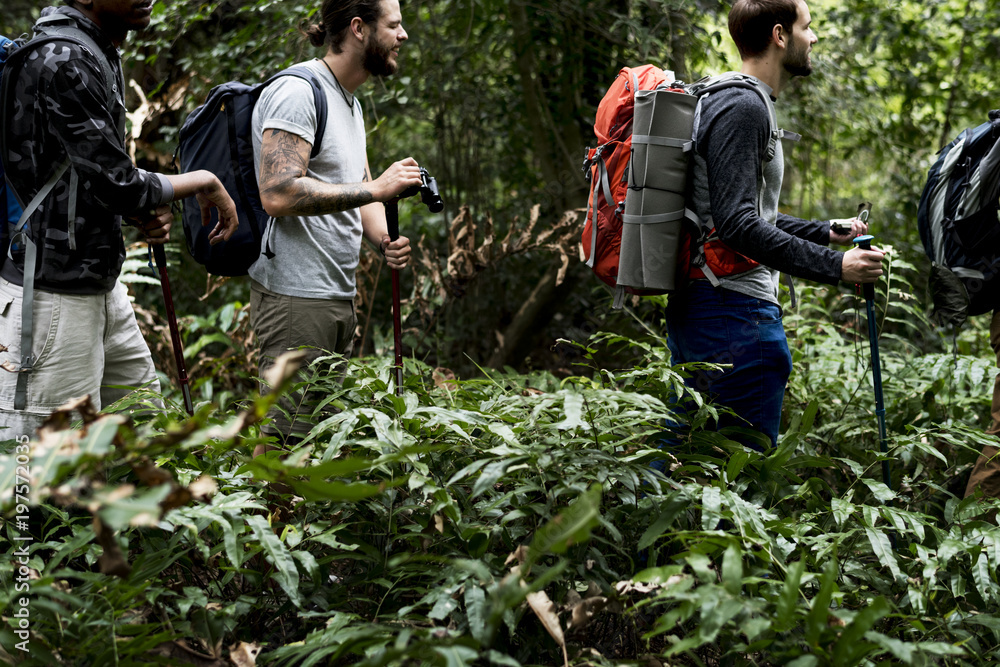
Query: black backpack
217, 136
10, 208
959, 227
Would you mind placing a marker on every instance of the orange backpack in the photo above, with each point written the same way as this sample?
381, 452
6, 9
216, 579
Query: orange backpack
608, 166
633, 239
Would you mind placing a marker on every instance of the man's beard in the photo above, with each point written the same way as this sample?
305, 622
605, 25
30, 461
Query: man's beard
378, 59
797, 62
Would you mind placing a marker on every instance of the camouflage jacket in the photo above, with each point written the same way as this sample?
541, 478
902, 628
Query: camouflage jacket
59, 109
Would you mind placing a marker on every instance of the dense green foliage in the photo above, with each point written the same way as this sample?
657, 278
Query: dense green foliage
511, 516
508, 519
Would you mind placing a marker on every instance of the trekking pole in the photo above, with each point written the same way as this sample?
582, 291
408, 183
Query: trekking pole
175, 336
865, 242
392, 224
431, 198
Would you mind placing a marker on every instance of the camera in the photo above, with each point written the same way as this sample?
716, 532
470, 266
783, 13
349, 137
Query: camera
428, 190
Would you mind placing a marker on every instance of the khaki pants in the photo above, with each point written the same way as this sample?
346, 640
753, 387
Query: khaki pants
84, 344
986, 472
283, 323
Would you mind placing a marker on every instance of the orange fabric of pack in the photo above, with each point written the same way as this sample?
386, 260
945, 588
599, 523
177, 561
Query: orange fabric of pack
608, 164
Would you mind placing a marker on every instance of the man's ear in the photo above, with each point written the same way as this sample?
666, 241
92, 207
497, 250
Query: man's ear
779, 35
359, 29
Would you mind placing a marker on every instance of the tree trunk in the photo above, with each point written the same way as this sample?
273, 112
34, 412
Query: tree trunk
959, 68
532, 316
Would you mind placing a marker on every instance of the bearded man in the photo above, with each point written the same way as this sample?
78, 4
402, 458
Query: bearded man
303, 284
736, 186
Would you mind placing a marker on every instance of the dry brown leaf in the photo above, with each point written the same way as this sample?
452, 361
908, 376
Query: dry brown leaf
546, 613
244, 654
213, 283
62, 417
461, 265
179, 653
563, 267
519, 554
112, 561
284, 369
584, 611
138, 116
444, 378
203, 488
178, 497
10, 366
439, 523
151, 475
626, 587
536, 214
175, 435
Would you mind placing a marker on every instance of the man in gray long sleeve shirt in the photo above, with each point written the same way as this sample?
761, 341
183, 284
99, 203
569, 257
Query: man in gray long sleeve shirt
737, 188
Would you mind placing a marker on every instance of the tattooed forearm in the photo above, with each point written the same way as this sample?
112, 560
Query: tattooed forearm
315, 198
285, 186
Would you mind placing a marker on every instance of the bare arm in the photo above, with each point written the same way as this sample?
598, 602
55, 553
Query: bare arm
208, 190
285, 189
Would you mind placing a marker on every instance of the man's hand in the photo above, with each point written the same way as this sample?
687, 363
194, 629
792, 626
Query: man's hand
397, 253
215, 196
210, 193
155, 226
396, 179
856, 226
862, 266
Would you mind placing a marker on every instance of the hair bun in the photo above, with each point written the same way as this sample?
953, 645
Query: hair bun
316, 34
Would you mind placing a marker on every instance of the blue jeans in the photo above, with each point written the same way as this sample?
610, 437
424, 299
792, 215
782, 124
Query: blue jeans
724, 327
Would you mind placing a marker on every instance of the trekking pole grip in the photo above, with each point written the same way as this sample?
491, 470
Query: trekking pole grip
392, 218
392, 226
865, 243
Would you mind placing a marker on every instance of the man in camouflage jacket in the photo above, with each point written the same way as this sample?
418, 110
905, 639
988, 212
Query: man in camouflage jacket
58, 109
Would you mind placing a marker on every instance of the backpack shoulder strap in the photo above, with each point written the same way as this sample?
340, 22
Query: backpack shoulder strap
709, 85
28, 287
58, 26
306, 74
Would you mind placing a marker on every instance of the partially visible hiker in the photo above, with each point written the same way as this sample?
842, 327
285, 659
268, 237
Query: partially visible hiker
303, 284
986, 472
737, 186
63, 111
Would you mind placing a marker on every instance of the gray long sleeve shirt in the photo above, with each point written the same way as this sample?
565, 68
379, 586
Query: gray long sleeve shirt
729, 170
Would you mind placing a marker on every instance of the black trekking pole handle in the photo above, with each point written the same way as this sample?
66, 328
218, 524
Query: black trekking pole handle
392, 226
175, 337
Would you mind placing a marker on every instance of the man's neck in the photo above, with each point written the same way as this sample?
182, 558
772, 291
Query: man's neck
768, 68
348, 71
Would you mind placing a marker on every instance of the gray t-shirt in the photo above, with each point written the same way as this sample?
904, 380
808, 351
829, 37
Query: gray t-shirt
315, 256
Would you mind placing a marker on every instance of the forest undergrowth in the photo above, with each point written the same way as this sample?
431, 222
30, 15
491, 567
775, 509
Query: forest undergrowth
515, 519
